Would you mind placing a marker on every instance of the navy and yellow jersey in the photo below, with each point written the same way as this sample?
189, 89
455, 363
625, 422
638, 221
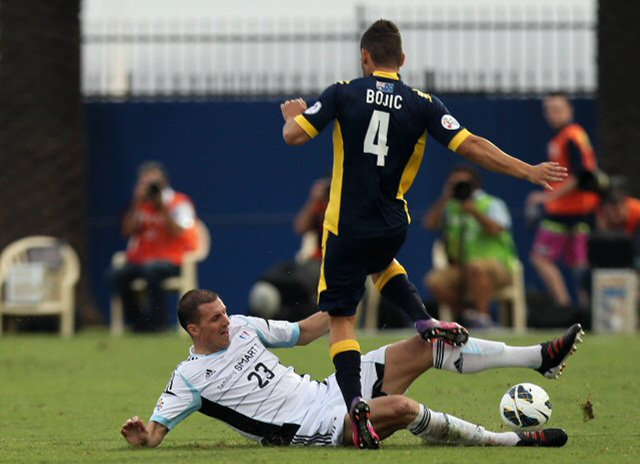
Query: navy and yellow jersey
378, 141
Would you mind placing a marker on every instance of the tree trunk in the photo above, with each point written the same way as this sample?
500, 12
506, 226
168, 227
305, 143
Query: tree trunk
618, 90
42, 147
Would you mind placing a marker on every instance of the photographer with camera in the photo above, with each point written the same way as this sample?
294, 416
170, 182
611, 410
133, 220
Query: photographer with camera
479, 245
160, 225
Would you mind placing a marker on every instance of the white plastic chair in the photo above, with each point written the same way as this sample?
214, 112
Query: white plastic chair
511, 299
187, 280
59, 299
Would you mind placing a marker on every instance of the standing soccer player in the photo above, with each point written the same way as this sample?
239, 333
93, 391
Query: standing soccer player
379, 139
569, 212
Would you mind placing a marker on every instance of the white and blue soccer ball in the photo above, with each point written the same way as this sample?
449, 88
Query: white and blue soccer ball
264, 300
525, 407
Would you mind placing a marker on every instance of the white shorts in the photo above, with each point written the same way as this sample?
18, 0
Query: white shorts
323, 425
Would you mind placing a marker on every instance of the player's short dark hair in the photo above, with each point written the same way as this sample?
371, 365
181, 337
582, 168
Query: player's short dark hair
190, 303
476, 180
383, 42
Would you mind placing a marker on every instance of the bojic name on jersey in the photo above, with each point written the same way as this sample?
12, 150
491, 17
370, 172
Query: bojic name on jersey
384, 99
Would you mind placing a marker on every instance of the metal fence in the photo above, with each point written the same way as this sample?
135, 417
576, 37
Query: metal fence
515, 48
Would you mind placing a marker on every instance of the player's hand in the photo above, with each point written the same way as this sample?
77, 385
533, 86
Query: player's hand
135, 431
546, 172
292, 108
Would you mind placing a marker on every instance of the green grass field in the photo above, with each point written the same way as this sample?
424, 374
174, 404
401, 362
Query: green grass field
64, 401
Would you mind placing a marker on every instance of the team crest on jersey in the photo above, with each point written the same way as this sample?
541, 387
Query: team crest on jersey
244, 335
449, 122
160, 405
385, 87
314, 109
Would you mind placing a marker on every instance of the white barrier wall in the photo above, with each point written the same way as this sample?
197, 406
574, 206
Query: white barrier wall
198, 47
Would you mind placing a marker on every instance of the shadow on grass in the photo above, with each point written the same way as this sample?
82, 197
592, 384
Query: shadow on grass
219, 446
194, 446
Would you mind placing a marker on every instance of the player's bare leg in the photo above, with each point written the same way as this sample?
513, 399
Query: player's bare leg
345, 353
405, 362
394, 285
389, 414
342, 328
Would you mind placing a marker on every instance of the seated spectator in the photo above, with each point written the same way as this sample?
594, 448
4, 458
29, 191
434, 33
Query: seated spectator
310, 219
615, 244
619, 213
160, 225
480, 249
288, 290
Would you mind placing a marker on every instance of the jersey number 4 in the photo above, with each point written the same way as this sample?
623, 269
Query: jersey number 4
378, 126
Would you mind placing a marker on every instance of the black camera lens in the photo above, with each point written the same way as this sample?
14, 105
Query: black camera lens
154, 189
593, 181
462, 190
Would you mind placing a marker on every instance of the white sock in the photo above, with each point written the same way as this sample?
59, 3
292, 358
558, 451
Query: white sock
478, 355
437, 427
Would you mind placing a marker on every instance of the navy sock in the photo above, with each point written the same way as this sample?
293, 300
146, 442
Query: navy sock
348, 374
401, 292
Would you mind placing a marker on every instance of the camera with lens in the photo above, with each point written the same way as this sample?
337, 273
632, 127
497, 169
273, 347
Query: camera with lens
154, 190
594, 181
462, 190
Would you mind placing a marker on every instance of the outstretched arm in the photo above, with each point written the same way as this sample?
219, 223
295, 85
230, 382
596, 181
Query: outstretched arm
484, 153
313, 327
138, 434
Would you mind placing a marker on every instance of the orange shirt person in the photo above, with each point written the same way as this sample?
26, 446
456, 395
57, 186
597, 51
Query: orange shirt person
569, 212
160, 225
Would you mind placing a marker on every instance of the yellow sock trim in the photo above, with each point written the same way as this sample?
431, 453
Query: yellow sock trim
389, 273
344, 345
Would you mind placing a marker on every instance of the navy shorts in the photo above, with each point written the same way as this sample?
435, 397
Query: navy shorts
346, 263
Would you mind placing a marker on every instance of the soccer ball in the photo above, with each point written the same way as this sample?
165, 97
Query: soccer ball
525, 407
264, 300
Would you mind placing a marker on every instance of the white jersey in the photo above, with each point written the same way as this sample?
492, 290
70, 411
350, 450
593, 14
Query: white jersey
245, 385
